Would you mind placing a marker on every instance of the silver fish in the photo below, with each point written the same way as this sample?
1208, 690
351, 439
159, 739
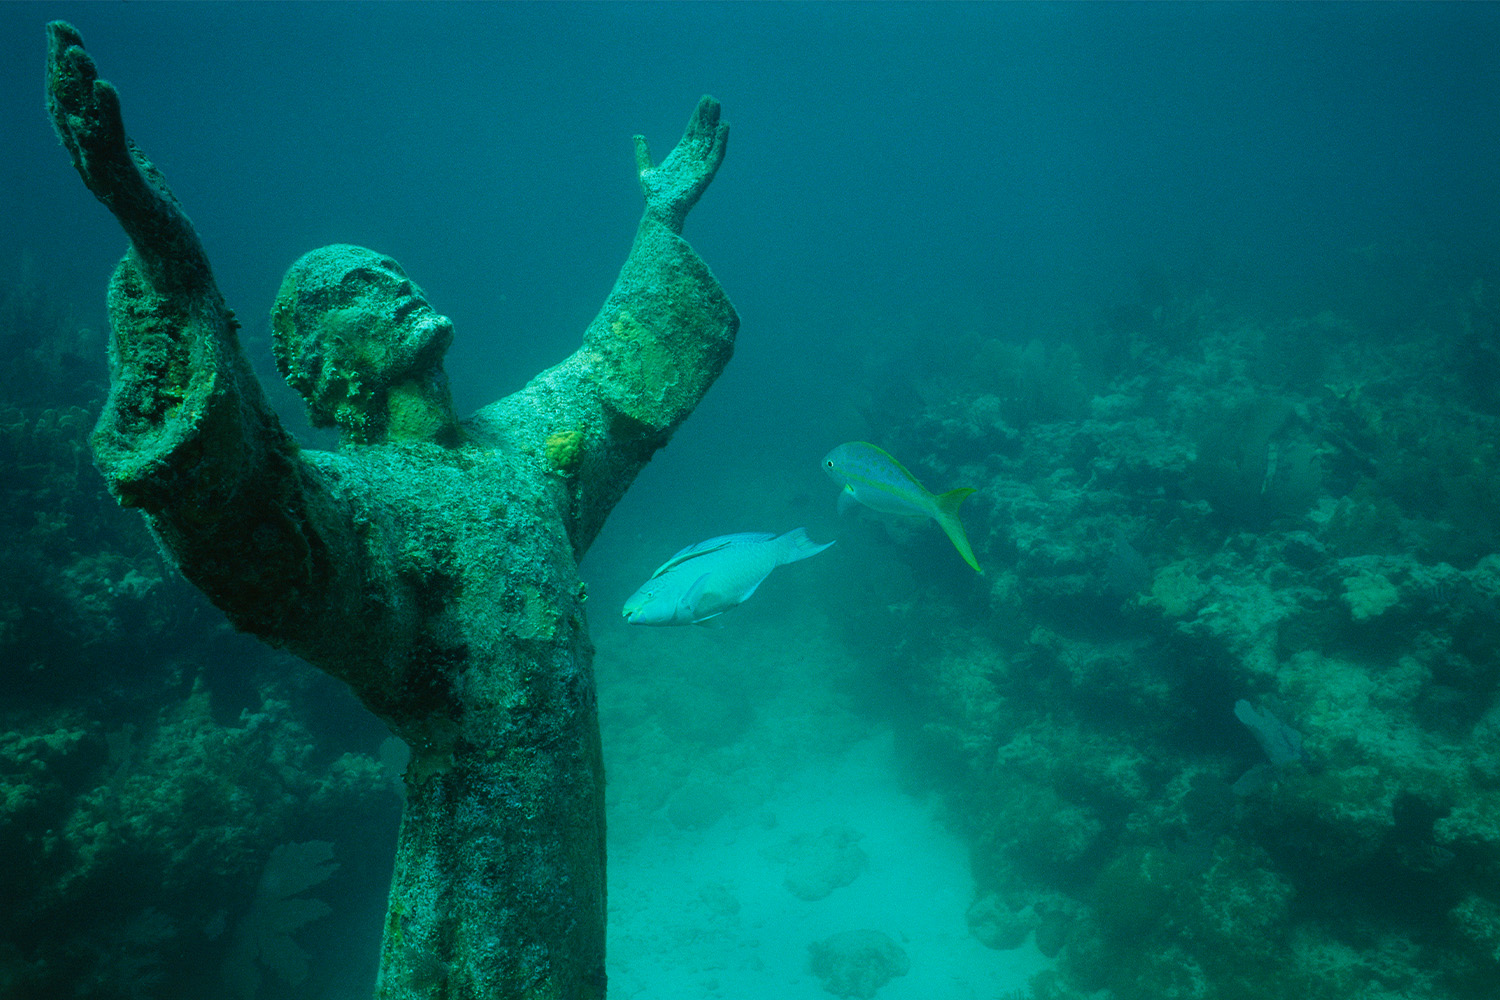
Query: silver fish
709, 578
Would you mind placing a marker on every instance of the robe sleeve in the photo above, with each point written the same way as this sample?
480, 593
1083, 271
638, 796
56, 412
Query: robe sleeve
187, 437
663, 336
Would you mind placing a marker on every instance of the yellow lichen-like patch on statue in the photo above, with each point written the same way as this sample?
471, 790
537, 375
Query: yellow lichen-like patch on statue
410, 419
625, 325
644, 363
564, 450
649, 355
538, 618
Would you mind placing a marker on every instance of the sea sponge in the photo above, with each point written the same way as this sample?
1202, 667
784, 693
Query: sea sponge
1369, 594
564, 451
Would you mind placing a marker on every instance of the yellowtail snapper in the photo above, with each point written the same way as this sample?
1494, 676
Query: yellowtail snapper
871, 476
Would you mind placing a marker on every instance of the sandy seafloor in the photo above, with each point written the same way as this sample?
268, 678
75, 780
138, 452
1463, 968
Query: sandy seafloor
667, 941
755, 709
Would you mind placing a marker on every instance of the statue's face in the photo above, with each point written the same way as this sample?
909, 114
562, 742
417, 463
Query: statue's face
348, 325
382, 324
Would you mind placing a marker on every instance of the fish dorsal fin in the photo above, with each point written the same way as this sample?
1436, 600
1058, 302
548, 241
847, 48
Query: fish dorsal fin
710, 545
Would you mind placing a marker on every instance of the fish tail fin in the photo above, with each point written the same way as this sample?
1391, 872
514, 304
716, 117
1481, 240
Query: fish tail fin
796, 545
947, 519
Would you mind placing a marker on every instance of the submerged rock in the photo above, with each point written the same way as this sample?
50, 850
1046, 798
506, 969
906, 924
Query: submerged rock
857, 963
996, 925
816, 866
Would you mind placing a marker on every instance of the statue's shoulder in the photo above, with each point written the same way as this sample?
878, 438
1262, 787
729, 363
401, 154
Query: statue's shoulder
409, 473
487, 428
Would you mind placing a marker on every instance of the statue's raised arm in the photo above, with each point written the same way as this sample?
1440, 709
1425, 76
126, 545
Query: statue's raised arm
85, 112
186, 434
661, 339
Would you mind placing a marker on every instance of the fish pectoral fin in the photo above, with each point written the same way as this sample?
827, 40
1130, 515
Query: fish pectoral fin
737, 602
690, 598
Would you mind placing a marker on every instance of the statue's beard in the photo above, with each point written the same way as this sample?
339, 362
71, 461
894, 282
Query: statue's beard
425, 337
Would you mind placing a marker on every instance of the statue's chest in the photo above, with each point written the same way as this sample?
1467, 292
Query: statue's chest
473, 525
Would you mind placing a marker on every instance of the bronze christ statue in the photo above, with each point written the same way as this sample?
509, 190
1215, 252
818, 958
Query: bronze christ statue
431, 563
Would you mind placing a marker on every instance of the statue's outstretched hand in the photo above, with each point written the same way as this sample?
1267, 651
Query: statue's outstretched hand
85, 112
673, 186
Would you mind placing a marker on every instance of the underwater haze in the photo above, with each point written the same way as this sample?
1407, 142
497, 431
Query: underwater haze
1202, 301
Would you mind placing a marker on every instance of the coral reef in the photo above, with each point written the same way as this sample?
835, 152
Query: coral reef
1292, 516
150, 762
818, 865
264, 934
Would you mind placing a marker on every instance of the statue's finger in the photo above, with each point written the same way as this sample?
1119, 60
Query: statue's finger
107, 116
719, 147
70, 85
707, 113
704, 122
61, 36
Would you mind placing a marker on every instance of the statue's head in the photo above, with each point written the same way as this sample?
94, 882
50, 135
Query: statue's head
348, 326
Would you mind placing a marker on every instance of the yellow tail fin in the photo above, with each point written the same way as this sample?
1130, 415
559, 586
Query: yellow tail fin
947, 519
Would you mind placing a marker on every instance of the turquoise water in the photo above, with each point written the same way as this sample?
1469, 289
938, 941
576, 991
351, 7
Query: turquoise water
1201, 300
